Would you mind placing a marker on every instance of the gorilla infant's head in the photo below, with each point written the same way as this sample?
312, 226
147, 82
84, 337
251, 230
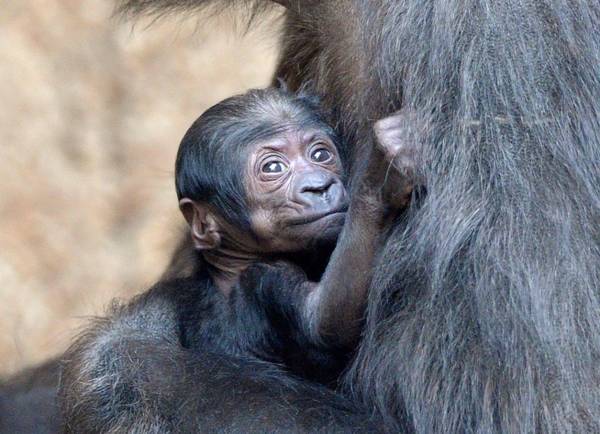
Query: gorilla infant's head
260, 173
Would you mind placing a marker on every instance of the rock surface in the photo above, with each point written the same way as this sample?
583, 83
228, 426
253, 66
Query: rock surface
92, 112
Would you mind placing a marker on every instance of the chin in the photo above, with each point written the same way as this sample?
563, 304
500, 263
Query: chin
326, 229
305, 236
334, 227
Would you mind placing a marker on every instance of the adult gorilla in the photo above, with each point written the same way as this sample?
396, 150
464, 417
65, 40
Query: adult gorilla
484, 314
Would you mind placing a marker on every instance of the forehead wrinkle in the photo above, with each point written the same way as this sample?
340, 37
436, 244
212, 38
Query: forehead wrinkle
266, 132
313, 133
279, 136
294, 137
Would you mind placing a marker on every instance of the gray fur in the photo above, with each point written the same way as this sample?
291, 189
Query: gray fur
485, 311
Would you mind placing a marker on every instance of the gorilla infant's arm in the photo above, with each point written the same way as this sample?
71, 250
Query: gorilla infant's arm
338, 303
329, 313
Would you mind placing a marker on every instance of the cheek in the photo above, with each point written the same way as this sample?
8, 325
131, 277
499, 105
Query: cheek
269, 232
268, 211
262, 222
272, 236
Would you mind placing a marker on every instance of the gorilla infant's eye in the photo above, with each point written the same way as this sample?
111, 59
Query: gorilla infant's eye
274, 167
321, 155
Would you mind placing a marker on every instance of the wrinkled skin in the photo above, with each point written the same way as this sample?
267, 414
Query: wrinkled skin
295, 191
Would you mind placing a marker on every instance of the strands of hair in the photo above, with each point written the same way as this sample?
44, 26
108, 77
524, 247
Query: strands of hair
485, 315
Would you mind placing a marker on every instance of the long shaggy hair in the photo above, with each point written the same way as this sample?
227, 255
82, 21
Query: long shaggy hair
484, 314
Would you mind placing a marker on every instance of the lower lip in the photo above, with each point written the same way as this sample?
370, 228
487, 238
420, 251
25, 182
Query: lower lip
317, 218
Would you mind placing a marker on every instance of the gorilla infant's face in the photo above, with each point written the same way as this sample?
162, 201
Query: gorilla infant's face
294, 189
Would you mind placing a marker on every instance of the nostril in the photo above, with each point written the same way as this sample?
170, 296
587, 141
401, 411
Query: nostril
318, 189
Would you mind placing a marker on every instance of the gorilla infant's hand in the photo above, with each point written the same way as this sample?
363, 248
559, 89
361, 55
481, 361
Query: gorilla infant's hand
398, 137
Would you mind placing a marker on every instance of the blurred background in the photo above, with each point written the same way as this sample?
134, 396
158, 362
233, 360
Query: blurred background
92, 111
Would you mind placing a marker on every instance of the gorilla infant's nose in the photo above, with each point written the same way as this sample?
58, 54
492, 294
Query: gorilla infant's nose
317, 185
320, 190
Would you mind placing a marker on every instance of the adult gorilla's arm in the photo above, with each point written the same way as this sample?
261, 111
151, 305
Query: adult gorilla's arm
129, 373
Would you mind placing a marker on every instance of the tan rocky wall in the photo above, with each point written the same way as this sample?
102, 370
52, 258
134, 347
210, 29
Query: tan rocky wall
92, 110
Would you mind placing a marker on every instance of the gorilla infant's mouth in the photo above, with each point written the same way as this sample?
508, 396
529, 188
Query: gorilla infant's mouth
318, 216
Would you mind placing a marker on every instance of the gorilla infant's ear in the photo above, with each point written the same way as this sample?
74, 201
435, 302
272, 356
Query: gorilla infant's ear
204, 227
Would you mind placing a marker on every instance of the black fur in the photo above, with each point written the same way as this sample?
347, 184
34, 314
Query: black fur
28, 401
493, 287
261, 318
182, 358
136, 368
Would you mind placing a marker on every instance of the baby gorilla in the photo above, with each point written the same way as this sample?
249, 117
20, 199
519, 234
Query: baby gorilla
259, 178
258, 175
